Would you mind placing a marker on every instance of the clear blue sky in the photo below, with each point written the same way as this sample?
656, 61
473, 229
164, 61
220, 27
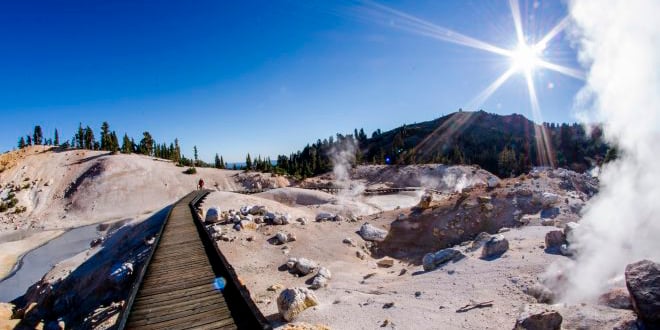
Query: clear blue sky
264, 77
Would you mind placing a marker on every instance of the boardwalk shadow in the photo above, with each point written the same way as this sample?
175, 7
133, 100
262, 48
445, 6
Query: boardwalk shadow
91, 285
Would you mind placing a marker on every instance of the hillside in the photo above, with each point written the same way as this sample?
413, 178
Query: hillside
503, 145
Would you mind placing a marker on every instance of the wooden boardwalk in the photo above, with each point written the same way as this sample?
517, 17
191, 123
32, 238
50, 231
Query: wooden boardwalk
176, 290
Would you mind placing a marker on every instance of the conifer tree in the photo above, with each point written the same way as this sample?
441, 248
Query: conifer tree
105, 136
38, 135
248, 162
146, 144
89, 139
57, 138
114, 143
126, 146
217, 164
29, 140
80, 137
223, 165
195, 155
21, 143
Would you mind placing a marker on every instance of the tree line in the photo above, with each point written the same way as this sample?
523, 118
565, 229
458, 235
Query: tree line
84, 138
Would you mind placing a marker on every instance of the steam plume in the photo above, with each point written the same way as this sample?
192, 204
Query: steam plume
619, 41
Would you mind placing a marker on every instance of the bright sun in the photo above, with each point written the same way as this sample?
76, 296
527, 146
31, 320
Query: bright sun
525, 58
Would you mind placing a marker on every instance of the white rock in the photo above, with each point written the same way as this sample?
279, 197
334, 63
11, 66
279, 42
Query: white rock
305, 266
321, 278
325, 216
371, 233
292, 302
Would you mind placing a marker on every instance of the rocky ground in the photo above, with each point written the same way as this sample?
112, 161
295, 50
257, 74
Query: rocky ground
464, 249
359, 276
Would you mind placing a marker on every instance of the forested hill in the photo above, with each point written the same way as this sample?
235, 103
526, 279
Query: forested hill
503, 145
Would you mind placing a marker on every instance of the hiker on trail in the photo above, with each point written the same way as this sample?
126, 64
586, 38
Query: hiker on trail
200, 185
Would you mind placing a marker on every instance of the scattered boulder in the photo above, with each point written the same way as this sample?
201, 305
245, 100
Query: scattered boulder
360, 254
212, 215
549, 199
371, 233
292, 302
325, 216
539, 320
554, 239
282, 237
247, 224
321, 279
494, 247
258, 210
643, 282
492, 182
616, 298
385, 263
349, 241
433, 260
301, 266
302, 221
479, 241
338, 218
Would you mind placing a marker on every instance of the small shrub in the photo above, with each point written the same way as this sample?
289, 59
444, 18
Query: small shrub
190, 170
179, 165
3, 207
26, 179
20, 209
12, 202
25, 186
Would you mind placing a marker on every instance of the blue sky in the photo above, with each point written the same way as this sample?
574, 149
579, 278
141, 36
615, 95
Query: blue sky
264, 77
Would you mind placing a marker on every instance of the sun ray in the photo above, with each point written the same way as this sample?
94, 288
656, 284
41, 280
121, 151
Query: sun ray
419, 26
543, 148
515, 12
562, 69
478, 100
553, 32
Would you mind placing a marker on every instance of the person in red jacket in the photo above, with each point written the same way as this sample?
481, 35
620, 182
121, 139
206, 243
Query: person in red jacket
200, 184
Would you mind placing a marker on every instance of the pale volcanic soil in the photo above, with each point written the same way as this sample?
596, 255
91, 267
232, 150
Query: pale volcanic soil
362, 295
68, 189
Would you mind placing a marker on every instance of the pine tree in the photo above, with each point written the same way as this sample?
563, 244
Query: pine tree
89, 142
146, 144
248, 162
57, 138
195, 155
38, 135
217, 161
80, 137
127, 146
21, 143
223, 165
29, 140
105, 136
176, 156
114, 143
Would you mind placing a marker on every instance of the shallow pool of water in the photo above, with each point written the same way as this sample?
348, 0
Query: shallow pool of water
39, 261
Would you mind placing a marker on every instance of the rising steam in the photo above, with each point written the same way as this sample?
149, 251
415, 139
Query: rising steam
619, 41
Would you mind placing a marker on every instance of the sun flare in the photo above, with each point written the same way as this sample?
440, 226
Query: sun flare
525, 58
